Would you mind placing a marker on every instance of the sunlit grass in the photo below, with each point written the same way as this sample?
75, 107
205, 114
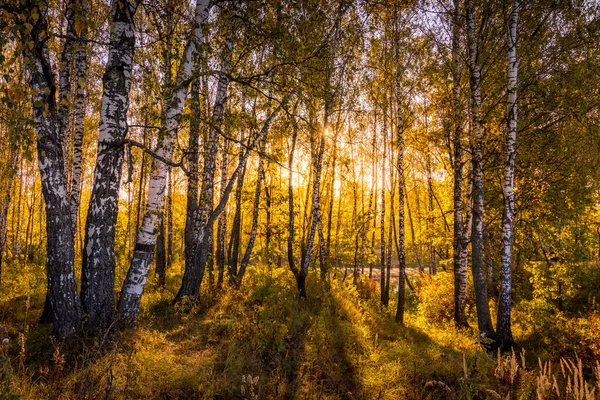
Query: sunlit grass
339, 343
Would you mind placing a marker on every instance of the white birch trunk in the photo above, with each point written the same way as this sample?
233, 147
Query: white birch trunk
505, 338
461, 241
98, 270
64, 303
484, 320
194, 267
133, 286
79, 114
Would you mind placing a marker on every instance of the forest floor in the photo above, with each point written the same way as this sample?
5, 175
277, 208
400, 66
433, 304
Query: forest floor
261, 342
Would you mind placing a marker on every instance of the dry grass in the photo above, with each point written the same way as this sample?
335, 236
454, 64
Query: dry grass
261, 343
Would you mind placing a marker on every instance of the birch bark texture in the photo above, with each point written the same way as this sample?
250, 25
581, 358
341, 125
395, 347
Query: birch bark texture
192, 178
315, 215
484, 320
461, 241
64, 303
190, 286
194, 267
400, 126
505, 339
79, 115
134, 283
98, 270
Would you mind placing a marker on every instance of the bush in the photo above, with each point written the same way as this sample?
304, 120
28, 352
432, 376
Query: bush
435, 295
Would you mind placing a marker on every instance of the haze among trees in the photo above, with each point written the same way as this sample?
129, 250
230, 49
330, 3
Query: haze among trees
300, 199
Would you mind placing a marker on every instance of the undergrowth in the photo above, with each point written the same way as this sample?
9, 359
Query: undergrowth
262, 342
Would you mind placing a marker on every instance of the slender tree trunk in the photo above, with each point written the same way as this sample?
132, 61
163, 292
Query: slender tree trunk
79, 115
332, 192
98, 270
384, 294
134, 283
194, 271
400, 248
505, 337
236, 227
12, 160
484, 320
161, 247
338, 223
291, 228
461, 242
169, 219
400, 126
430, 219
192, 178
268, 224
255, 210
489, 264
315, 207
222, 223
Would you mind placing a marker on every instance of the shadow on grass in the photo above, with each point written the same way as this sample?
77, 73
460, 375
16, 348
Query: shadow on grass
336, 344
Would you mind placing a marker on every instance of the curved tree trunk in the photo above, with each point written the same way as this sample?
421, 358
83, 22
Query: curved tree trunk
234, 242
255, 211
222, 223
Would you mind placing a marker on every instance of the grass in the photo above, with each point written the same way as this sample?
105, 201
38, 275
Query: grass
262, 342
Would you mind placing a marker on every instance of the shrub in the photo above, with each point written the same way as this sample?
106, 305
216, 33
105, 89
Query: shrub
435, 294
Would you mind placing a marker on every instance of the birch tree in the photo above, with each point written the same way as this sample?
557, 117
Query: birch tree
98, 270
192, 279
194, 267
505, 339
134, 283
400, 127
253, 229
461, 241
192, 176
80, 28
484, 320
63, 300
